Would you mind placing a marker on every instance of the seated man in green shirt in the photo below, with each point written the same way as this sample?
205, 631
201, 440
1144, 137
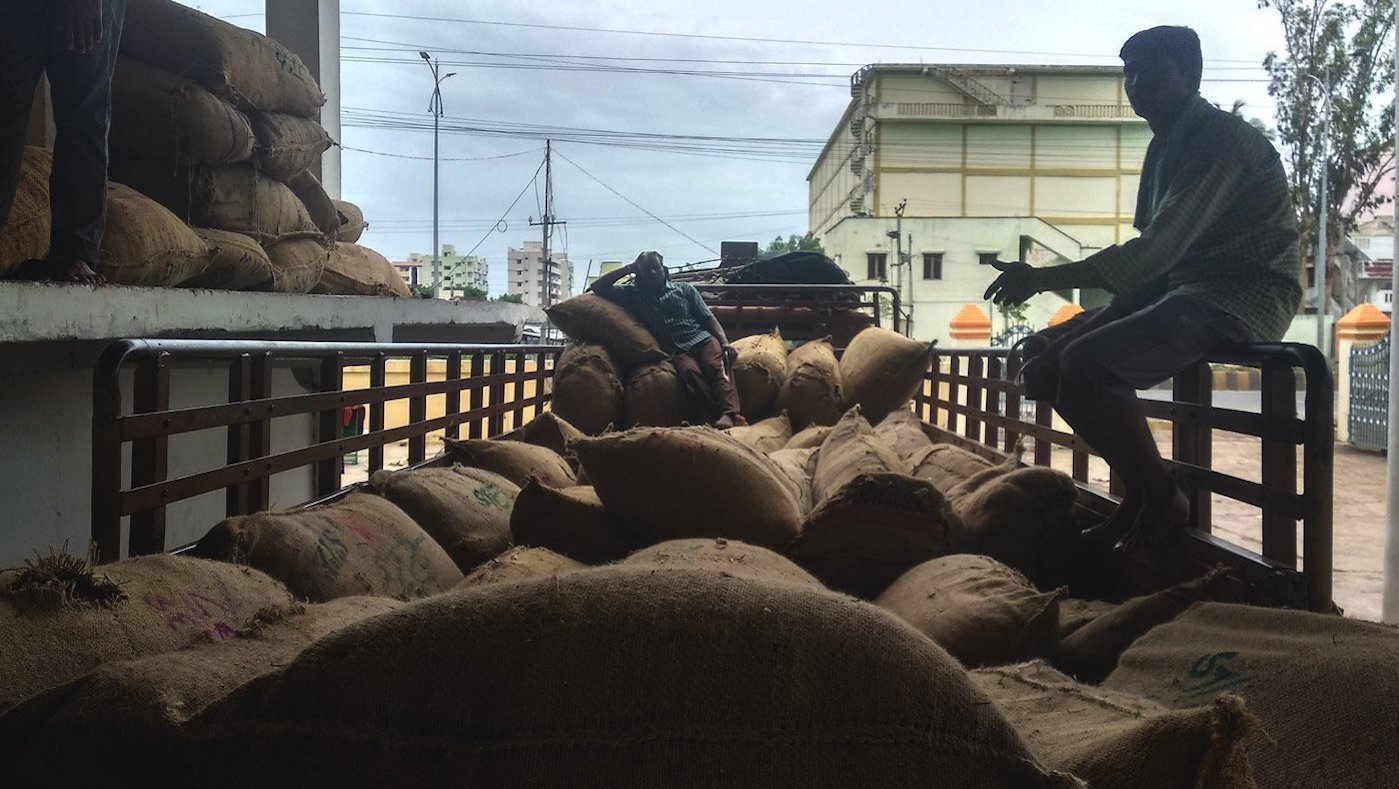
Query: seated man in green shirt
1216, 263
684, 326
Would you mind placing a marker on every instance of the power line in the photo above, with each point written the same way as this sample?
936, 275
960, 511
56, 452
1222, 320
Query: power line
637, 206
443, 159
507, 211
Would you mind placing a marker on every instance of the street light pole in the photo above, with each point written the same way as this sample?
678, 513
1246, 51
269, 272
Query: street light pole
1323, 215
435, 107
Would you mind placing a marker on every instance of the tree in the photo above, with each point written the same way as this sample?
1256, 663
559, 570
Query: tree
1258, 123
1351, 44
471, 293
806, 243
513, 298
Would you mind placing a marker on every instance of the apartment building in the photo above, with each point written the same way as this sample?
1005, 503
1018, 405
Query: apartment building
542, 283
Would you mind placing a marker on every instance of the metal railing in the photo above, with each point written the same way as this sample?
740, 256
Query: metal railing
816, 309
1368, 426
493, 378
973, 394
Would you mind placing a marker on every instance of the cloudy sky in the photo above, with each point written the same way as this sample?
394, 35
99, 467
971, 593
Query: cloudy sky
707, 116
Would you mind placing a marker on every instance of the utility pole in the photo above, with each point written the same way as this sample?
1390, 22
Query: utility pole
1323, 304
1390, 610
547, 222
898, 235
435, 107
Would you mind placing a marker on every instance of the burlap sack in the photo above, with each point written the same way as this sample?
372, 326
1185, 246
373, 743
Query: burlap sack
298, 264
1074, 613
514, 460
145, 244
673, 483
352, 224
810, 438
902, 432
249, 69
24, 235
766, 436
548, 430
587, 390
1322, 687
759, 372
87, 731
655, 397
799, 465
851, 448
58, 622
166, 117
569, 521
612, 677
353, 270
237, 263
985, 477
286, 144
812, 393
725, 556
361, 544
947, 465
319, 206
1013, 517
882, 370
520, 564
981, 611
225, 197
1091, 652
1119, 741
591, 318
466, 510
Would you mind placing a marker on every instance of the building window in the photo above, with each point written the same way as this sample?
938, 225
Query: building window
877, 266
987, 258
932, 265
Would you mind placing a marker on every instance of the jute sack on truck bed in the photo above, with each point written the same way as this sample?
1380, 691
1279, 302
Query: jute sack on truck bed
514, 460
724, 556
569, 521
145, 244
902, 432
352, 224
655, 396
520, 564
319, 206
981, 611
946, 465
671, 483
24, 235
298, 264
87, 730
547, 430
588, 393
166, 117
1119, 741
591, 318
631, 682
850, 449
58, 621
799, 465
811, 392
759, 372
247, 68
882, 370
353, 270
466, 510
766, 436
1322, 687
361, 544
1075, 612
1015, 516
286, 144
236, 262
1091, 652
810, 438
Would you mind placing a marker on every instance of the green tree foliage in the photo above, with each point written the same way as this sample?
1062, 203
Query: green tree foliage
806, 243
513, 298
469, 293
1354, 41
1258, 123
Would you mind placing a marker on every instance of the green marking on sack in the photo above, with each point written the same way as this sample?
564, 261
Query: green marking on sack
1214, 676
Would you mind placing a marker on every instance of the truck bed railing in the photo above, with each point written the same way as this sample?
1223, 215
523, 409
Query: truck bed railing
480, 388
803, 311
972, 395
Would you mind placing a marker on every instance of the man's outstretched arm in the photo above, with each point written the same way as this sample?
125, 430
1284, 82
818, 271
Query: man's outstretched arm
604, 284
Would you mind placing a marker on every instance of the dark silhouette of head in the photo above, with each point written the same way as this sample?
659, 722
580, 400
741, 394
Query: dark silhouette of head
651, 274
1161, 70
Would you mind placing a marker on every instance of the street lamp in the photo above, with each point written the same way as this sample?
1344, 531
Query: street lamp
435, 107
1323, 211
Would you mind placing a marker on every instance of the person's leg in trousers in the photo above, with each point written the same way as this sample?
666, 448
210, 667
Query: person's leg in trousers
688, 369
1098, 375
710, 356
21, 65
82, 113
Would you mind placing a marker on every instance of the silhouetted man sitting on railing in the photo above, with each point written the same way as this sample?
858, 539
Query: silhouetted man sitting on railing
1216, 263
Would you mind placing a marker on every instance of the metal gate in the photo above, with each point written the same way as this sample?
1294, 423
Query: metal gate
1369, 396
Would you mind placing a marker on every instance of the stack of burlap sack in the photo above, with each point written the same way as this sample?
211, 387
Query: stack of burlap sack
213, 133
855, 605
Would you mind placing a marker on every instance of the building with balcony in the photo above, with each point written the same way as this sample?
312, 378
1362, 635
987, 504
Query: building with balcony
459, 272
541, 282
934, 171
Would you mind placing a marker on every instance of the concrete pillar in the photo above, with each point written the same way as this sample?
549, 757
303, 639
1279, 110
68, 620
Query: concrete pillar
970, 327
1362, 324
1064, 313
311, 29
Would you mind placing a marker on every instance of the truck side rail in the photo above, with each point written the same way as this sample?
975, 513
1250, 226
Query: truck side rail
973, 396
750, 308
493, 378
